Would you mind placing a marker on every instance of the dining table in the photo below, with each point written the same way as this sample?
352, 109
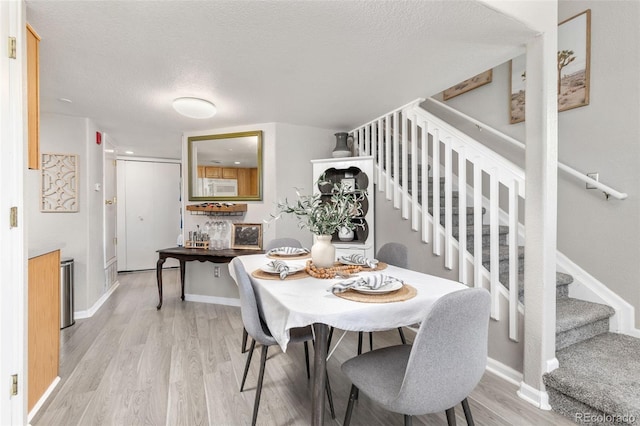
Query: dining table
308, 301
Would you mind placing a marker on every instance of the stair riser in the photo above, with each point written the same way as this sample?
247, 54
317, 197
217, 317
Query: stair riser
579, 334
504, 265
486, 241
454, 219
570, 407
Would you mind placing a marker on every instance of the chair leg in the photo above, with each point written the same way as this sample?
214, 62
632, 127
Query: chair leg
467, 412
404, 341
327, 387
330, 337
256, 404
370, 341
408, 420
353, 395
451, 416
306, 358
359, 342
246, 365
245, 335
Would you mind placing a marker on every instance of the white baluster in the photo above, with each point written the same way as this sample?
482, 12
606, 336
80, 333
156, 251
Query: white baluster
448, 210
494, 206
424, 187
381, 156
415, 217
387, 156
396, 160
435, 188
405, 167
513, 261
477, 223
462, 209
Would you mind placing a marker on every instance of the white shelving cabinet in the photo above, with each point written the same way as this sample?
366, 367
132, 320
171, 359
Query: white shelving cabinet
360, 170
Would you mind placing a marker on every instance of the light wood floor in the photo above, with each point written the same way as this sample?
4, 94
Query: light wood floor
130, 364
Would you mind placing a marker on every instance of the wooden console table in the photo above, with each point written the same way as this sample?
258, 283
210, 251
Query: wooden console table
185, 255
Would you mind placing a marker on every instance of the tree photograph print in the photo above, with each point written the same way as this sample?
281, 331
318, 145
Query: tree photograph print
574, 56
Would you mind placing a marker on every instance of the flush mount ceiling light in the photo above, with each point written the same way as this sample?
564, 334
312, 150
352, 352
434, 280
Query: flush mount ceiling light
194, 107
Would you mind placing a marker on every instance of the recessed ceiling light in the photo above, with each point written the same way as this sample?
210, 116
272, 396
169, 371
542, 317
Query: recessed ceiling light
236, 162
109, 150
65, 100
128, 152
194, 107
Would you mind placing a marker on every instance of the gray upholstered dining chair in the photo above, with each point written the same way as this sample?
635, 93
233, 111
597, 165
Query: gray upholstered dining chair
441, 368
282, 242
275, 243
259, 332
395, 254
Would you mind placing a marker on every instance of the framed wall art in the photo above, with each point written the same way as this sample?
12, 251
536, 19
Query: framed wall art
246, 236
59, 192
574, 64
467, 85
574, 57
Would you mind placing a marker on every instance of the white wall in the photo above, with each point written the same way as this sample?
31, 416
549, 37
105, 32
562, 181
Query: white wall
287, 151
79, 234
603, 237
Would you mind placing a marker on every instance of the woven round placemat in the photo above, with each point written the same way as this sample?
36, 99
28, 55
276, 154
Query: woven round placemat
259, 273
405, 293
290, 257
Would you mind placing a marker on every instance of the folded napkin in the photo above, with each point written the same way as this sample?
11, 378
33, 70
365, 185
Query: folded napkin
372, 282
288, 250
361, 260
280, 267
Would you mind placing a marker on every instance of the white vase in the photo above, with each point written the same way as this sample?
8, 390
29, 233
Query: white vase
323, 253
345, 234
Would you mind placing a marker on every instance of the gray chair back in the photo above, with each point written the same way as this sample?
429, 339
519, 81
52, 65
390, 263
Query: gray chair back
449, 353
282, 242
394, 254
249, 307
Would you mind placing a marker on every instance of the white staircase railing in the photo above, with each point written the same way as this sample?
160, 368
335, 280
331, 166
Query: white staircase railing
404, 143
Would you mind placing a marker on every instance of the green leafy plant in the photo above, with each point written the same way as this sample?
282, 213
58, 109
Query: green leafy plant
326, 214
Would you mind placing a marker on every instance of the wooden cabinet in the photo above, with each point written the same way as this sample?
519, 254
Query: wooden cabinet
213, 172
358, 173
247, 182
200, 171
33, 98
43, 324
229, 173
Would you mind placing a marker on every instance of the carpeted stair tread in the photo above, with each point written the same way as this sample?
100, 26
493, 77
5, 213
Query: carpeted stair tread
486, 230
455, 210
602, 373
503, 254
574, 313
562, 279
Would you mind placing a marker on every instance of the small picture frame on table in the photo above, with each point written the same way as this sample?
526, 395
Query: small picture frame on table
246, 236
349, 184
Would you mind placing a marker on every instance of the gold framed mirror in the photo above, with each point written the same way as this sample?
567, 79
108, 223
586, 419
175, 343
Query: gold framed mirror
225, 167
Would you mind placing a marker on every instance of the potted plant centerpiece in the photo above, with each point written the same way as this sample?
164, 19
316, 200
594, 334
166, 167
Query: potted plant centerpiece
324, 215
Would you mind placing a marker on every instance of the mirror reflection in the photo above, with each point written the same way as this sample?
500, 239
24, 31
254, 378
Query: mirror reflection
225, 167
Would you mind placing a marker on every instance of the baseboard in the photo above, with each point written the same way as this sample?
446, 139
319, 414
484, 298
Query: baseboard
504, 371
215, 300
586, 287
92, 310
43, 398
534, 396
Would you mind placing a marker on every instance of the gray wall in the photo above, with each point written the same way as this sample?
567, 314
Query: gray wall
79, 234
603, 237
287, 154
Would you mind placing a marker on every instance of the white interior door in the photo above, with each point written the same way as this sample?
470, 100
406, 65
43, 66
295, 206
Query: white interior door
110, 199
151, 212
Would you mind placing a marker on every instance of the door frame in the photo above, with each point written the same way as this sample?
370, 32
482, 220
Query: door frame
13, 293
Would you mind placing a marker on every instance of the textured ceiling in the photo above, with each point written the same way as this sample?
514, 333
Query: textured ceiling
328, 64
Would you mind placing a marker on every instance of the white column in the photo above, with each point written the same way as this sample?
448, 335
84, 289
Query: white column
541, 167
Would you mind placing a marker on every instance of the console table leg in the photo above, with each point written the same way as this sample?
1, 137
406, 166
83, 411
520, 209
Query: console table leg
183, 267
159, 277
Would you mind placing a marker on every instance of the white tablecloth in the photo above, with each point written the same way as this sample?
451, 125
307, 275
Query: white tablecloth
301, 302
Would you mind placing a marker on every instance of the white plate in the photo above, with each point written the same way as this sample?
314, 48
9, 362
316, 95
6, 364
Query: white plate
281, 253
388, 288
292, 268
